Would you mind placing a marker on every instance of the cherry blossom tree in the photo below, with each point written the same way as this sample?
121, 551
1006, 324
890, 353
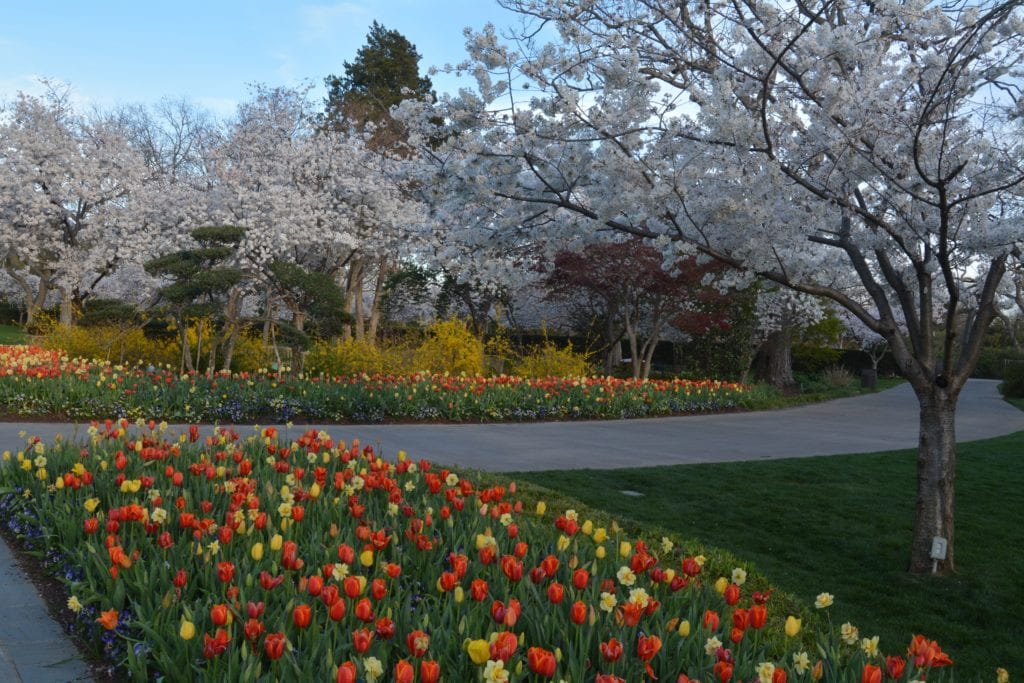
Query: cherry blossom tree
864, 152
77, 201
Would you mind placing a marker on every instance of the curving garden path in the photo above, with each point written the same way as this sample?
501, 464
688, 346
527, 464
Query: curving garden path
862, 424
33, 649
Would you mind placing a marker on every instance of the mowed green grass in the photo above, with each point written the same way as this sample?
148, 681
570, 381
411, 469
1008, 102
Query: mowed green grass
12, 334
842, 524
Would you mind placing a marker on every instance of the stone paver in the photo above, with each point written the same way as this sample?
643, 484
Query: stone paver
33, 647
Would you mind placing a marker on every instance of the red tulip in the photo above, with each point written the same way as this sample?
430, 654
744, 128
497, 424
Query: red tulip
611, 651
758, 615
352, 587
337, 610
504, 646
732, 594
711, 620
225, 571
779, 675
315, 585
541, 662
253, 629
302, 615
580, 579
274, 644
871, 674
219, 614
430, 671
894, 667
361, 640
723, 671
364, 610
740, 618
346, 673
384, 628
550, 565
213, 646
478, 590
556, 592
378, 589
608, 678
647, 647
417, 642
329, 595
404, 673
92, 525
578, 612
512, 568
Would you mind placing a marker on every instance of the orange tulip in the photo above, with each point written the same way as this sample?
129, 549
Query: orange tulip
108, 619
871, 674
430, 671
541, 662
404, 673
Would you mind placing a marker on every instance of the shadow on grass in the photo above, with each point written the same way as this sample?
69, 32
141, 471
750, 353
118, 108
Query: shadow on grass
842, 524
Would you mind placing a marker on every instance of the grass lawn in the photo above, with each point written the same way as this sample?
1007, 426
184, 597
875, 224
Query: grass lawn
842, 524
12, 334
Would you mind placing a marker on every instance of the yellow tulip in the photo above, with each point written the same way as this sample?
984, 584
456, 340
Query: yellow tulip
587, 528
600, 552
721, 584
257, 551
275, 542
625, 549
600, 535
541, 508
479, 651
314, 491
684, 628
187, 630
792, 626
366, 558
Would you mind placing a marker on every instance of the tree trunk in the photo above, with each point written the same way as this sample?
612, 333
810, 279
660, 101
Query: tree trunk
67, 309
774, 360
936, 475
353, 291
186, 351
383, 272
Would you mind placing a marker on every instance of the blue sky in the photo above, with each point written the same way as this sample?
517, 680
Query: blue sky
139, 51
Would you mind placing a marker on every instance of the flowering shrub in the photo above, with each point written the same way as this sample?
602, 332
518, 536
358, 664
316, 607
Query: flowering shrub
353, 357
450, 347
41, 382
547, 360
268, 559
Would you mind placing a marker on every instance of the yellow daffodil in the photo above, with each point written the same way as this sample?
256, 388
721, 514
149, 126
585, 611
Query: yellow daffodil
824, 600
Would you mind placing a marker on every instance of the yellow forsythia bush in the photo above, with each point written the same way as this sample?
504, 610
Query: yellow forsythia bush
449, 346
352, 357
109, 342
547, 360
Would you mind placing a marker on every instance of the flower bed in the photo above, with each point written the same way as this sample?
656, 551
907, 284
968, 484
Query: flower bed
263, 558
38, 382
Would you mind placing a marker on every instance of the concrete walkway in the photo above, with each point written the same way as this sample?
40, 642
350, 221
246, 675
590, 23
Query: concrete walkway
33, 648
